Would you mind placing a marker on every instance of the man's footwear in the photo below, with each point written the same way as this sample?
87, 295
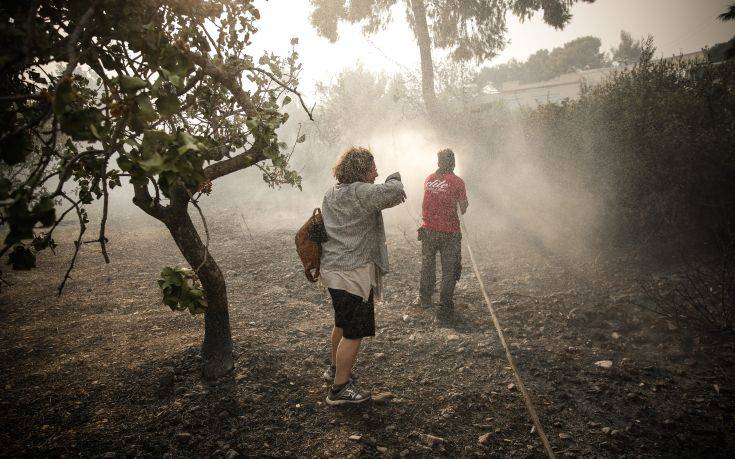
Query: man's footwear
347, 395
331, 370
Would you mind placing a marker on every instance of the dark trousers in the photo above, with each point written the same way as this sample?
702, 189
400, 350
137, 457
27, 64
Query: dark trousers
449, 246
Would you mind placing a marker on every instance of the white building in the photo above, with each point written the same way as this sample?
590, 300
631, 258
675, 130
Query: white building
567, 86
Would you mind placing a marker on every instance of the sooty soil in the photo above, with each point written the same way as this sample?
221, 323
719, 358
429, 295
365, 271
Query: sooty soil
107, 370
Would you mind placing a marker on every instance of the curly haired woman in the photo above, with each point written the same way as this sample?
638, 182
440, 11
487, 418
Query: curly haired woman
353, 261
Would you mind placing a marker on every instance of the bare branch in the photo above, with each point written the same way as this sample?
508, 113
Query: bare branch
50, 232
103, 222
77, 243
206, 232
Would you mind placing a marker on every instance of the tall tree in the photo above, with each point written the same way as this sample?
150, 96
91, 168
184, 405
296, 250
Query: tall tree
628, 51
468, 29
162, 92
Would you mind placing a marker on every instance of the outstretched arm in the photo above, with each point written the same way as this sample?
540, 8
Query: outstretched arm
381, 196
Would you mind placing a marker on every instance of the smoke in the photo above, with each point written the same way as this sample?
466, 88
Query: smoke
513, 194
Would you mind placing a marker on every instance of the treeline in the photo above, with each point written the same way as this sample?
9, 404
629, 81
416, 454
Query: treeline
579, 54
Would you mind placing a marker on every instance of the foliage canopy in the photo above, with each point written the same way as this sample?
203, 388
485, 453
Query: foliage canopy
164, 93
470, 30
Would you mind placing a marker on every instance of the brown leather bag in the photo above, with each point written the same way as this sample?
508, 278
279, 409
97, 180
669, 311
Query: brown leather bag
308, 244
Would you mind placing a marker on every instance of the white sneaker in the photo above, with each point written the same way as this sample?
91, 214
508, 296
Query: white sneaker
348, 395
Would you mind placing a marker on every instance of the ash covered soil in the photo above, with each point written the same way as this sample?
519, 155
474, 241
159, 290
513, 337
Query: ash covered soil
107, 370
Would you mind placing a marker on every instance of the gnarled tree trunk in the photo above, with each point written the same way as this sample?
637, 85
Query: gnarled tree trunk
217, 345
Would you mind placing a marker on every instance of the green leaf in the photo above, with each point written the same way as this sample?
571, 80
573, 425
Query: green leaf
20, 220
155, 164
168, 105
301, 138
95, 132
132, 84
21, 258
155, 142
286, 101
125, 164
180, 290
173, 78
78, 124
145, 108
42, 241
188, 143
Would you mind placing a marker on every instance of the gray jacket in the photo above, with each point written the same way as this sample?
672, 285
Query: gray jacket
354, 222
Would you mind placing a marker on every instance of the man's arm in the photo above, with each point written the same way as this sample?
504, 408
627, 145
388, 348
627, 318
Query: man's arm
462, 197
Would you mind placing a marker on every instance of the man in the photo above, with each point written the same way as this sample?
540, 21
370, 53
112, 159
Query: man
440, 232
353, 261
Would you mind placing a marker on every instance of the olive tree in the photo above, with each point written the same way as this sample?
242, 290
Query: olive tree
163, 93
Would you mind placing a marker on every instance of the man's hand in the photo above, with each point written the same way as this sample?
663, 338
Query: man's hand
463, 206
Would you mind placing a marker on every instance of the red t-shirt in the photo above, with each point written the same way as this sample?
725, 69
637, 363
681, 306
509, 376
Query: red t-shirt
442, 192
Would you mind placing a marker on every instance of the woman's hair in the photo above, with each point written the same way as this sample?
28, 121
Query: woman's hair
353, 165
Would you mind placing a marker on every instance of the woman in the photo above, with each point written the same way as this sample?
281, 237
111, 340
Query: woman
353, 260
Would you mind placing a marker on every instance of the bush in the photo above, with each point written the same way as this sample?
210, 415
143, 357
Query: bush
654, 144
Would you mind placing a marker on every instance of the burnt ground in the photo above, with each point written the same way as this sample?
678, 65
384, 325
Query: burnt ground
106, 369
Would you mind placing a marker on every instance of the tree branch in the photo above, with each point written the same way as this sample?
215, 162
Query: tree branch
234, 164
71, 45
103, 222
287, 88
221, 76
143, 199
206, 232
77, 243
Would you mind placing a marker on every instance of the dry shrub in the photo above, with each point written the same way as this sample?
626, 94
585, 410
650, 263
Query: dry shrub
701, 298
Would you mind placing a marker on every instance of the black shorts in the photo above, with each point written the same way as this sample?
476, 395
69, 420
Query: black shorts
355, 317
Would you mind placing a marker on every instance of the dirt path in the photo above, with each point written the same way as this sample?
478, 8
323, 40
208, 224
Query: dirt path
107, 370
